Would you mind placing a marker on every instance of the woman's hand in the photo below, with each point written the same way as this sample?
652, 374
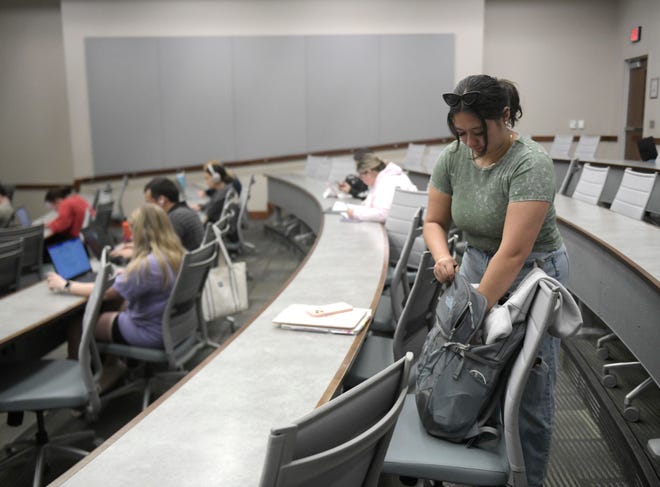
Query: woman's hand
445, 268
55, 282
351, 213
344, 186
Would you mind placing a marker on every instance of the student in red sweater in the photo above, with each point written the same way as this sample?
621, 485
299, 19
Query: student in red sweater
71, 210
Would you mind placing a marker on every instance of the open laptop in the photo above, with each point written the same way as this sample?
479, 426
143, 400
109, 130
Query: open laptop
22, 217
71, 261
96, 239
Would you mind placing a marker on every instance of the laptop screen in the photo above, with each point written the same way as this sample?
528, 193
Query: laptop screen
96, 239
22, 217
69, 258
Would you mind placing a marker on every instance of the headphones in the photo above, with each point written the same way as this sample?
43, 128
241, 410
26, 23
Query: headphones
214, 175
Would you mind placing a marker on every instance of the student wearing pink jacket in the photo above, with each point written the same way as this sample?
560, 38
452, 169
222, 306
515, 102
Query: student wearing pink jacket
382, 178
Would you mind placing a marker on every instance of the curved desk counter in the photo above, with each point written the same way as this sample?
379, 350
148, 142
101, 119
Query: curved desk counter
212, 429
32, 307
615, 271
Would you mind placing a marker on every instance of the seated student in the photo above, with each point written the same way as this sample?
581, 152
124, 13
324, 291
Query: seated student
145, 284
382, 178
6, 210
219, 183
184, 219
71, 211
235, 182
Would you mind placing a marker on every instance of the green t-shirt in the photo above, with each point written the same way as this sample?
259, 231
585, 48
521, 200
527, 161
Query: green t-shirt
480, 196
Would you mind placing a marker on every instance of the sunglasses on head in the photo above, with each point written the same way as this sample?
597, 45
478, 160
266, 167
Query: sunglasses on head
468, 98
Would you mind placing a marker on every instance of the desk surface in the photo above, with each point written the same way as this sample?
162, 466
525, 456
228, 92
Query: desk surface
214, 426
637, 241
32, 307
649, 166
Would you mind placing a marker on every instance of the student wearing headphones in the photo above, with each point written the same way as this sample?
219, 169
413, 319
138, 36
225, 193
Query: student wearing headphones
186, 222
235, 182
219, 183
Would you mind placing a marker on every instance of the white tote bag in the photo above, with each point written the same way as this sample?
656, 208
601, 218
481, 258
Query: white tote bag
225, 291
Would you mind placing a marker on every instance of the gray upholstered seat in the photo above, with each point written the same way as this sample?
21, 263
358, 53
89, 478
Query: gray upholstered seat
390, 305
586, 147
45, 385
591, 183
343, 442
240, 220
416, 321
11, 263
182, 327
633, 194
413, 452
561, 146
33, 246
414, 157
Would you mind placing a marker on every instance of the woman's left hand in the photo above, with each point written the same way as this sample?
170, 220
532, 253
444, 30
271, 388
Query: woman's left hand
55, 282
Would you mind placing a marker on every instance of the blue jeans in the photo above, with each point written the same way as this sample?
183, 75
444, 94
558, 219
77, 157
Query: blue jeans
537, 408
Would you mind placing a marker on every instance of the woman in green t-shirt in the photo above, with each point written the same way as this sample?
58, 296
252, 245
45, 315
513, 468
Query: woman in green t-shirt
498, 188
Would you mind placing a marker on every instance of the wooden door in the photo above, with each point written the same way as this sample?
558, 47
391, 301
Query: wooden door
635, 116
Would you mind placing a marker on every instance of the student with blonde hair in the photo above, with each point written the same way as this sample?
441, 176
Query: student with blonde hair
382, 179
145, 285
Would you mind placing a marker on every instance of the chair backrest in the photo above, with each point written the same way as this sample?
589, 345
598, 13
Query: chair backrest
344, 441
400, 284
404, 206
103, 214
246, 193
11, 263
586, 147
121, 214
231, 205
33, 245
561, 146
591, 183
414, 157
340, 167
88, 354
539, 315
633, 194
182, 318
431, 157
317, 167
418, 315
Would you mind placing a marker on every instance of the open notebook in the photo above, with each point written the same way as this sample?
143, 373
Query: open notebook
297, 317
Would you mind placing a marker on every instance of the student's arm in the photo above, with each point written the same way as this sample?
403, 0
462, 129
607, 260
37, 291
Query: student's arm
523, 222
64, 219
378, 205
58, 283
436, 229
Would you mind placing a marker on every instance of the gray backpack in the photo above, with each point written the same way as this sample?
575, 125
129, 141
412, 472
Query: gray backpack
459, 378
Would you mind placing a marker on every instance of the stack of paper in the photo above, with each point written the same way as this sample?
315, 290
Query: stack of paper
298, 317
